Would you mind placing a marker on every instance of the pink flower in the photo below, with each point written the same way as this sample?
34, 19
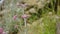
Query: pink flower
4, 33
24, 16
1, 30
14, 17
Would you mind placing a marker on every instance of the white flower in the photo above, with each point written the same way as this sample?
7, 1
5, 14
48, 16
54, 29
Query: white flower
50, 13
32, 10
48, 1
57, 17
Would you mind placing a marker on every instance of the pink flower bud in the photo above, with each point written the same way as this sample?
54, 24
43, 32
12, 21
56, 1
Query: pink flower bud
24, 16
14, 17
1, 30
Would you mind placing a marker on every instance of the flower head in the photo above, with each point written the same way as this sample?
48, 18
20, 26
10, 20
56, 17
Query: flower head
1, 30
57, 17
14, 17
24, 16
50, 13
4, 33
